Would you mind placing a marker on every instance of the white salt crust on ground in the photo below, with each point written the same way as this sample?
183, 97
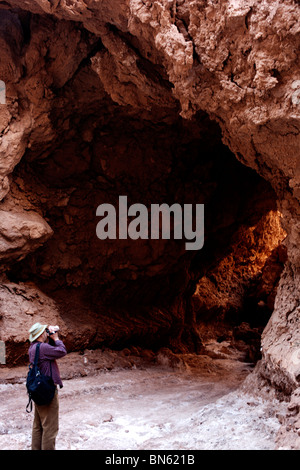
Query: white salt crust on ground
157, 407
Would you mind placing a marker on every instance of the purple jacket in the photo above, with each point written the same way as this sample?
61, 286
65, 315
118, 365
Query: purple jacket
49, 354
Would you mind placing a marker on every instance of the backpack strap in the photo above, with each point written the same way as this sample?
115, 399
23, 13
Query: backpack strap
36, 358
29, 405
37, 353
33, 366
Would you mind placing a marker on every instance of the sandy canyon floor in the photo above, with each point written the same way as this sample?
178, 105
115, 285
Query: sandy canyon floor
116, 401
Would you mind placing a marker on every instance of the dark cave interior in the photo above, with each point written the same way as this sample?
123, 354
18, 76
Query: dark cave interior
154, 292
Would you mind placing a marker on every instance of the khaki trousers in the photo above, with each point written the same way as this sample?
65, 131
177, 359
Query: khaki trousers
45, 425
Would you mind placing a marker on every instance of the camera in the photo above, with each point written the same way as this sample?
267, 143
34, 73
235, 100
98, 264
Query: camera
54, 329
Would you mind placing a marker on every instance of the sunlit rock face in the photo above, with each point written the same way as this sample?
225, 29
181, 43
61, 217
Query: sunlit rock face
164, 102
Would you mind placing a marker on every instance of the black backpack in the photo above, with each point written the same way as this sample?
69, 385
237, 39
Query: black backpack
40, 388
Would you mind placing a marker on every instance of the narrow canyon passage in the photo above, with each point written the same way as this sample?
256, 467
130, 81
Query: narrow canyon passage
176, 103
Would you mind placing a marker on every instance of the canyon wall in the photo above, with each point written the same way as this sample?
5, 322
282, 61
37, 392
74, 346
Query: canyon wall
164, 101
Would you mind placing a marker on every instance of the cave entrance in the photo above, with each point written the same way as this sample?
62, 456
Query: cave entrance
152, 293
85, 149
